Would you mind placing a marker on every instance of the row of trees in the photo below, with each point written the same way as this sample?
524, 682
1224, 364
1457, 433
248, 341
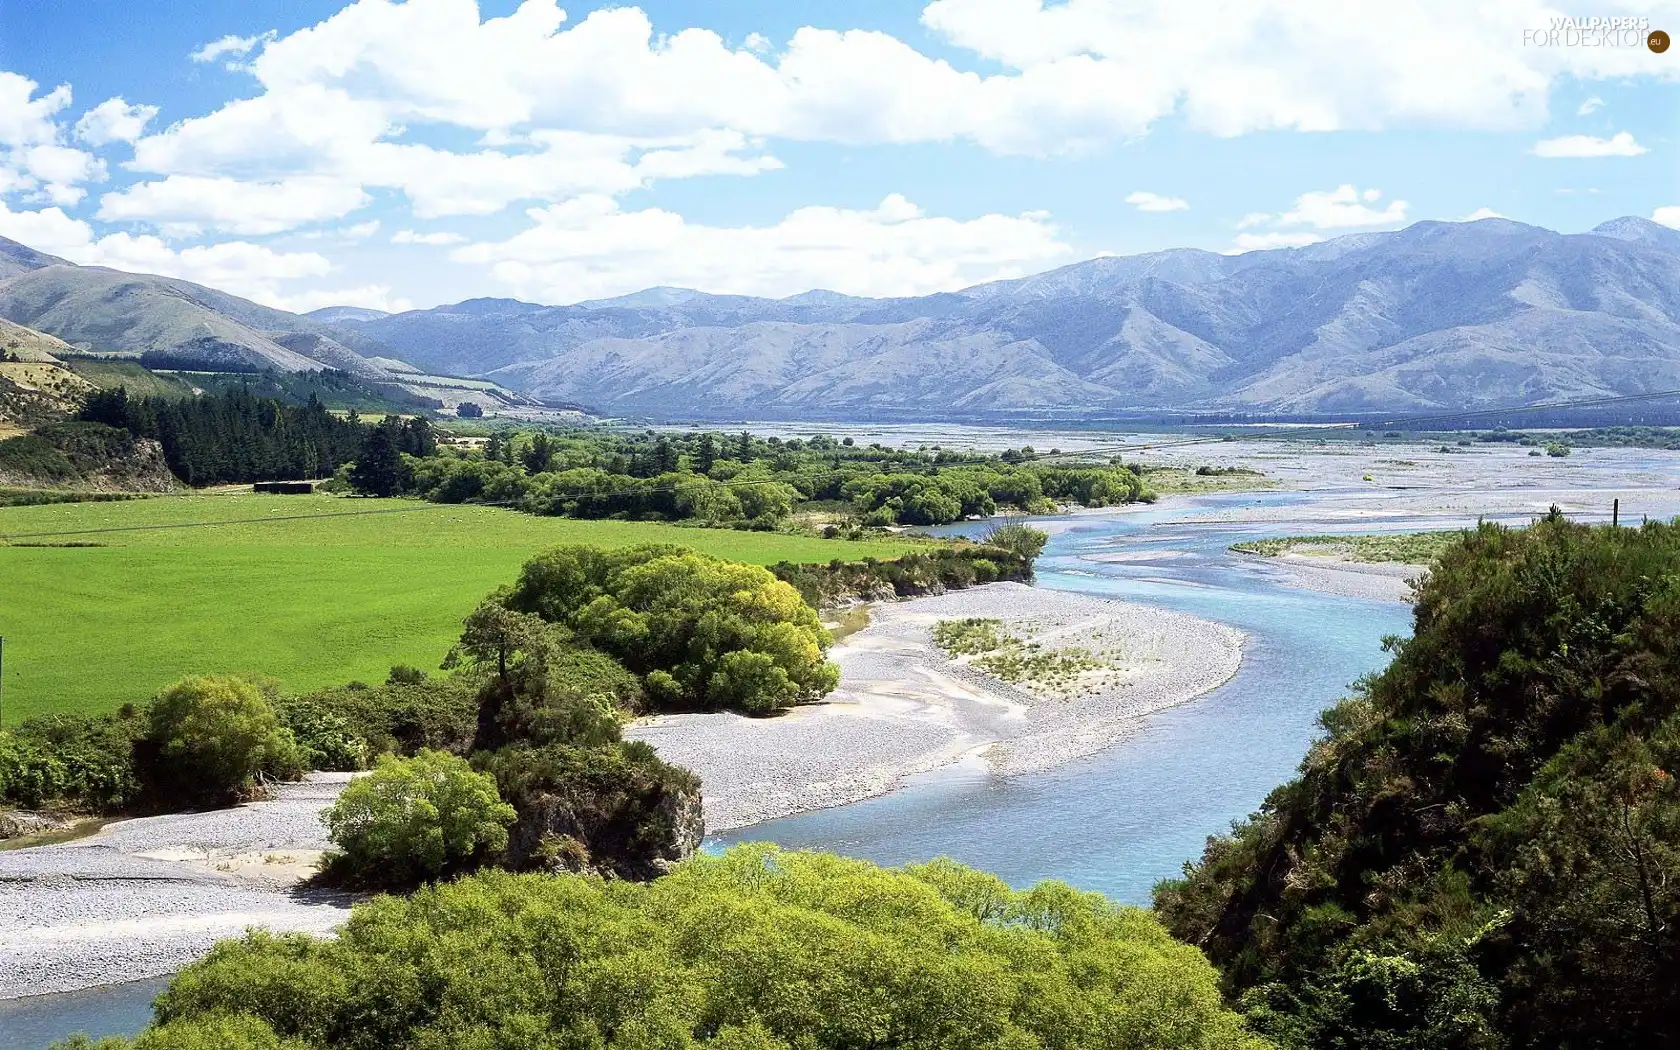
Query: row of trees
234, 436
721, 479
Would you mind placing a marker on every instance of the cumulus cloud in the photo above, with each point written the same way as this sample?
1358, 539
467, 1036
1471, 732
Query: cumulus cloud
187, 204
1668, 216
114, 120
591, 248
26, 120
1482, 213
1342, 208
1589, 106
33, 158
416, 237
1621, 144
250, 270
1143, 200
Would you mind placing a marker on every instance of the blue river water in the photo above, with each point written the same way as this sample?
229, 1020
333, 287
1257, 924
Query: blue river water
1116, 822
1120, 820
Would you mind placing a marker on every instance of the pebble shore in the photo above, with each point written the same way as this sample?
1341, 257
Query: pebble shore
903, 707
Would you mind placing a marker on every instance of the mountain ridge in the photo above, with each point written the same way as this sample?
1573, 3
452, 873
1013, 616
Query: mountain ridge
1433, 316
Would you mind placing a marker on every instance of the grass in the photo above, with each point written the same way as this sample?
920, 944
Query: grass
1413, 548
1180, 481
1018, 661
110, 373
252, 586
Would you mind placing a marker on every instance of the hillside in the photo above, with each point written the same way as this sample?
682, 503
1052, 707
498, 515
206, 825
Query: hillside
1481, 852
1437, 315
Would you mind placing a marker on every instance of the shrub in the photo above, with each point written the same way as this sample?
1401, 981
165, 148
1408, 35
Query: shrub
672, 610
754, 950
414, 819
209, 739
69, 760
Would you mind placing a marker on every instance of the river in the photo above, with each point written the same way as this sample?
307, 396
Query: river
1116, 822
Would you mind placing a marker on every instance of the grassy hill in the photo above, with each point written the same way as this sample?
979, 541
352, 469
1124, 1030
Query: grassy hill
313, 590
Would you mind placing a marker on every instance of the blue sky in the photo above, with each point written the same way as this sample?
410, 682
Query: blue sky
311, 153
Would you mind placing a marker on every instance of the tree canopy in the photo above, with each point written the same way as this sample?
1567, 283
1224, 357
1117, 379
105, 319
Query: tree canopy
756, 948
698, 631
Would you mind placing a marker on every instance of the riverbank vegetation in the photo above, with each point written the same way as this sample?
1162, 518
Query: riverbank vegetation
752, 482
1413, 548
756, 949
1480, 852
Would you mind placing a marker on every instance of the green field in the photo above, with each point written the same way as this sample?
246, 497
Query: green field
252, 586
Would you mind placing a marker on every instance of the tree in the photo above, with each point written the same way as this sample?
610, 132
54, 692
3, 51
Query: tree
539, 454
1016, 537
208, 739
379, 468
415, 819
678, 614
707, 454
756, 949
469, 410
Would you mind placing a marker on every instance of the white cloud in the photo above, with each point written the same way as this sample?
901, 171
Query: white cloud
371, 296
250, 270
57, 171
590, 248
114, 121
1253, 218
1589, 106
1482, 213
1249, 242
1143, 200
415, 237
1621, 144
24, 119
185, 203
1668, 216
1342, 208
236, 46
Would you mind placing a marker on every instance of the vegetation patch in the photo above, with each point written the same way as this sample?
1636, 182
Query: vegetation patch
1413, 548
1059, 671
756, 949
1480, 851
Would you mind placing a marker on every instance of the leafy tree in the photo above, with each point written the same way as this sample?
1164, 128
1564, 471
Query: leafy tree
208, 740
752, 950
379, 467
1017, 538
671, 610
414, 819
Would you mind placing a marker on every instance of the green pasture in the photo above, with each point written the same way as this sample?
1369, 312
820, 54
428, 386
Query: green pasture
311, 590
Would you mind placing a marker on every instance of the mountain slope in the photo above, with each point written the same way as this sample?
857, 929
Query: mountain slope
109, 311
1434, 316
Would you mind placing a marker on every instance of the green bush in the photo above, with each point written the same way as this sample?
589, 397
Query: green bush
68, 760
414, 819
723, 634
756, 948
613, 803
209, 739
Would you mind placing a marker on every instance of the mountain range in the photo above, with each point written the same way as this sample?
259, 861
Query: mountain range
1434, 316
